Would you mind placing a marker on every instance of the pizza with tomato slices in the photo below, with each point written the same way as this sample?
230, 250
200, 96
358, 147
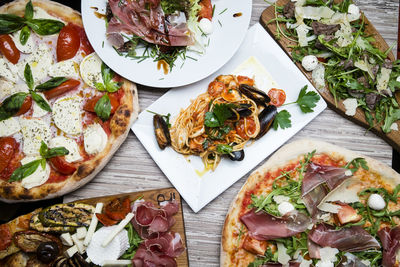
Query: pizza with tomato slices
315, 204
63, 113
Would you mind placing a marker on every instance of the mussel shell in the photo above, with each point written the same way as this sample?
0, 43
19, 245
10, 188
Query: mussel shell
243, 110
258, 96
266, 117
236, 155
161, 131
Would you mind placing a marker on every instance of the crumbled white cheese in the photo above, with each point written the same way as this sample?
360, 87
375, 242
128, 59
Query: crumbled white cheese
309, 62
285, 207
376, 202
318, 76
350, 104
283, 257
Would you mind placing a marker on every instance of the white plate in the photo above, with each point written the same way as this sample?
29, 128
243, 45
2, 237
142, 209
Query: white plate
181, 171
224, 42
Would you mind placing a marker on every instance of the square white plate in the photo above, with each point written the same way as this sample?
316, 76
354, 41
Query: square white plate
197, 190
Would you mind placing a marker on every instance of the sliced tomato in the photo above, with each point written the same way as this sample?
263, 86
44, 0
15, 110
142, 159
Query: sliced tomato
85, 44
91, 102
8, 48
25, 106
347, 214
278, 97
5, 236
66, 86
215, 88
68, 43
105, 220
206, 9
245, 80
62, 166
117, 209
7, 148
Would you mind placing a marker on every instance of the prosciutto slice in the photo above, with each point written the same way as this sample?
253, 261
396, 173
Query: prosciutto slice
146, 19
274, 264
351, 239
148, 258
263, 226
169, 244
390, 239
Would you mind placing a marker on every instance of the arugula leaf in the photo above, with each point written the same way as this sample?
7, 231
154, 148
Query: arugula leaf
170, 6
103, 108
355, 164
28, 76
282, 120
11, 105
25, 170
29, 11
47, 153
307, 100
224, 149
24, 35
50, 84
391, 116
134, 242
40, 101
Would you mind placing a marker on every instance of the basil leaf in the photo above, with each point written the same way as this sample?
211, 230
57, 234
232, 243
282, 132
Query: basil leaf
224, 149
50, 84
29, 10
103, 108
24, 35
28, 76
45, 26
113, 86
11, 105
100, 87
40, 101
25, 170
55, 152
106, 73
43, 149
10, 23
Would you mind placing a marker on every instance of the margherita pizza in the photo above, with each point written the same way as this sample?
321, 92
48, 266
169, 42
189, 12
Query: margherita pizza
315, 204
63, 113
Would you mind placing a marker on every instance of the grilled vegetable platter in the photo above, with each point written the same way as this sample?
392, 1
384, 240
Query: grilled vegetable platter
341, 52
132, 229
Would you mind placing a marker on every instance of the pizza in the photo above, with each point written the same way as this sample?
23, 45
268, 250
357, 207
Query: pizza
107, 231
63, 113
315, 204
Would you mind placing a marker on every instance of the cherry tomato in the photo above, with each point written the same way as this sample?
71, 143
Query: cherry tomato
85, 44
245, 80
66, 86
7, 148
241, 129
103, 218
68, 43
62, 166
8, 48
278, 97
91, 103
117, 209
5, 236
215, 88
25, 106
206, 9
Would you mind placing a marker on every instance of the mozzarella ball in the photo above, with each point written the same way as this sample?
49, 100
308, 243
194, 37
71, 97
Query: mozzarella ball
376, 202
309, 62
206, 26
285, 207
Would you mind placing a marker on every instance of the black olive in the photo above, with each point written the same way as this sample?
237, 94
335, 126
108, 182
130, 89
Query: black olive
47, 252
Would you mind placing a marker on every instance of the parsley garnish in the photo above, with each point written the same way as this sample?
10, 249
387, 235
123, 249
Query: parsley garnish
218, 115
282, 120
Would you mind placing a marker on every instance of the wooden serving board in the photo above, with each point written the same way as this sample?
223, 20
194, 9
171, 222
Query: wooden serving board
155, 196
393, 138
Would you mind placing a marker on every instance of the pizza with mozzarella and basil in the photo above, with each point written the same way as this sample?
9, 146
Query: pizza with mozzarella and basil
63, 112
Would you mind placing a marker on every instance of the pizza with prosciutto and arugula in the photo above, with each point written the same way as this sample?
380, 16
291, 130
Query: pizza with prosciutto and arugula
315, 204
63, 113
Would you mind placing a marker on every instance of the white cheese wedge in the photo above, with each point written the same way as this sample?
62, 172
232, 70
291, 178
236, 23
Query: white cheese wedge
39, 13
78, 243
70, 145
94, 138
37, 110
346, 192
81, 232
40, 62
91, 70
39, 177
116, 230
283, 257
34, 131
66, 68
9, 127
117, 262
93, 224
66, 239
71, 251
8, 70
67, 114
350, 104
329, 207
28, 47
118, 245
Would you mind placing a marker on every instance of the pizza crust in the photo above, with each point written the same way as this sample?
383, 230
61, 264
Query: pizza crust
120, 124
288, 154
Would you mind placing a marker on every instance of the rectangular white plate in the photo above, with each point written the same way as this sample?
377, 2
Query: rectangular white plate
181, 171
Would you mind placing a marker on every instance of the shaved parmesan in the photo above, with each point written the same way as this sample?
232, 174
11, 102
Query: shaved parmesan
315, 13
347, 192
302, 31
350, 104
318, 76
279, 199
365, 66
328, 254
344, 35
382, 80
305, 263
329, 207
93, 224
325, 264
285, 207
353, 12
283, 257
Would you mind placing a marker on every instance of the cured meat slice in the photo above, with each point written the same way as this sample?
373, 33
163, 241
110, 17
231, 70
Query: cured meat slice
148, 258
169, 244
263, 226
351, 239
390, 239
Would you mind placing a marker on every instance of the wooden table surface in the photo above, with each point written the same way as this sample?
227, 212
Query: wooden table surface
132, 168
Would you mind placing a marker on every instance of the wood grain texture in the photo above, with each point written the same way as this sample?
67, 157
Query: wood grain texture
132, 169
393, 138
